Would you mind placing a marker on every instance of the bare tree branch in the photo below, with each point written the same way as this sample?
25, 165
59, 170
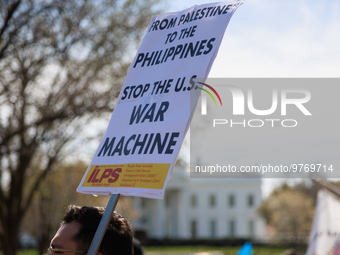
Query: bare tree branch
10, 10
62, 64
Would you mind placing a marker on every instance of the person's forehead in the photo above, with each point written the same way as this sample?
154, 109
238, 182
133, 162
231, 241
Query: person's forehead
63, 239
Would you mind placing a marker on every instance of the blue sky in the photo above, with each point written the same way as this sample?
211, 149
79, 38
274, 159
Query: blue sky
276, 38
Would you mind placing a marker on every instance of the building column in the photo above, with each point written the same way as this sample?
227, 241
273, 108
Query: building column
183, 214
137, 203
159, 231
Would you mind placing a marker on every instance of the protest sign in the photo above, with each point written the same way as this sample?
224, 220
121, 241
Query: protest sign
156, 103
325, 234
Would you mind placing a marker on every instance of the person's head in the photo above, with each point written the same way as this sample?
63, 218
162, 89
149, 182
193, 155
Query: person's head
79, 226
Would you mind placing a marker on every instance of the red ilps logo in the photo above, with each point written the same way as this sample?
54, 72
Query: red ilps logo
108, 172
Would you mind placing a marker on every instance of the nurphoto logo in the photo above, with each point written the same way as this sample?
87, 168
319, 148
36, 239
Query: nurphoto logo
242, 103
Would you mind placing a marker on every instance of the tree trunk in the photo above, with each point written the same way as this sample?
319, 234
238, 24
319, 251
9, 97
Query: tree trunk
8, 249
10, 242
44, 239
43, 242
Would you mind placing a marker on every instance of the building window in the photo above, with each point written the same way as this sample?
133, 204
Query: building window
250, 200
212, 228
232, 228
193, 229
193, 201
212, 200
231, 200
251, 228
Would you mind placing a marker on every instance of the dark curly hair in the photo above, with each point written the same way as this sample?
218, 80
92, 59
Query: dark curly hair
118, 236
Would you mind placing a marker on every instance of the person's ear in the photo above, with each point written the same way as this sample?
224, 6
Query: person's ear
99, 253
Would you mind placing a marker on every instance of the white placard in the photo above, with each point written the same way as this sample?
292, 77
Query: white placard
324, 238
156, 103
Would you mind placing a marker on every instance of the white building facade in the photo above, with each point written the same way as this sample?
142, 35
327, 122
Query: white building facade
203, 208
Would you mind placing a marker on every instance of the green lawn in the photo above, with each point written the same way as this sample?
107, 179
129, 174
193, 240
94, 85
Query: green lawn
26, 252
164, 250
224, 250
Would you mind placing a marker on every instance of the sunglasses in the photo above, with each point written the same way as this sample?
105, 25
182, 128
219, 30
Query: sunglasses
51, 250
